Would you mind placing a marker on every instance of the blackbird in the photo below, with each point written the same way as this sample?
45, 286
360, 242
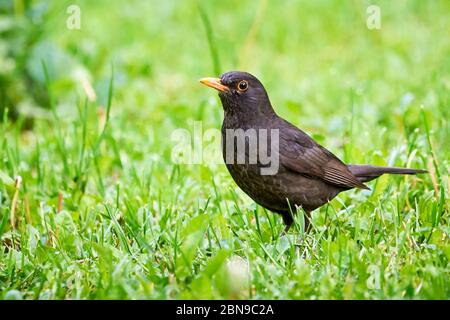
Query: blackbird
306, 174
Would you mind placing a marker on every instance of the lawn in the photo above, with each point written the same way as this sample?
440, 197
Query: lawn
93, 204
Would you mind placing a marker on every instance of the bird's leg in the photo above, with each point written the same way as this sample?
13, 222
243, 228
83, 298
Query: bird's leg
307, 217
286, 229
288, 221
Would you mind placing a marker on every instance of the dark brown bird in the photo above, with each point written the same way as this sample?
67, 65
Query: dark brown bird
300, 173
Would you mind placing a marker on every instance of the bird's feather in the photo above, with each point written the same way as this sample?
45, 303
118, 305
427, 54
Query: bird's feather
365, 172
301, 154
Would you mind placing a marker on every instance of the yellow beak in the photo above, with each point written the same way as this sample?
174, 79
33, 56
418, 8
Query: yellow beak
214, 83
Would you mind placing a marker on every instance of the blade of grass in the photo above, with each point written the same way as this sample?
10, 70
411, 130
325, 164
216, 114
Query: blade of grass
211, 42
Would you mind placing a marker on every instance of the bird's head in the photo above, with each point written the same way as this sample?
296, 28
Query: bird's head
240, 92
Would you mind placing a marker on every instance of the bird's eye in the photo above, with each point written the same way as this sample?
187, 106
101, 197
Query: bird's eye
242, 86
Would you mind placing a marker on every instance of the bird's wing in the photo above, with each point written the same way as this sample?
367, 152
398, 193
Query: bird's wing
301, 154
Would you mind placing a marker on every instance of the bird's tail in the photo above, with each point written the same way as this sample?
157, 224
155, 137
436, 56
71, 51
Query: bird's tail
365, 172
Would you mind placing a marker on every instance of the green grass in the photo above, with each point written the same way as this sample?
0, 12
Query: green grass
102, 212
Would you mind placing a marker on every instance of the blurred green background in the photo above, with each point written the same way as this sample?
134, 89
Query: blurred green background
370, 96
311, 55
